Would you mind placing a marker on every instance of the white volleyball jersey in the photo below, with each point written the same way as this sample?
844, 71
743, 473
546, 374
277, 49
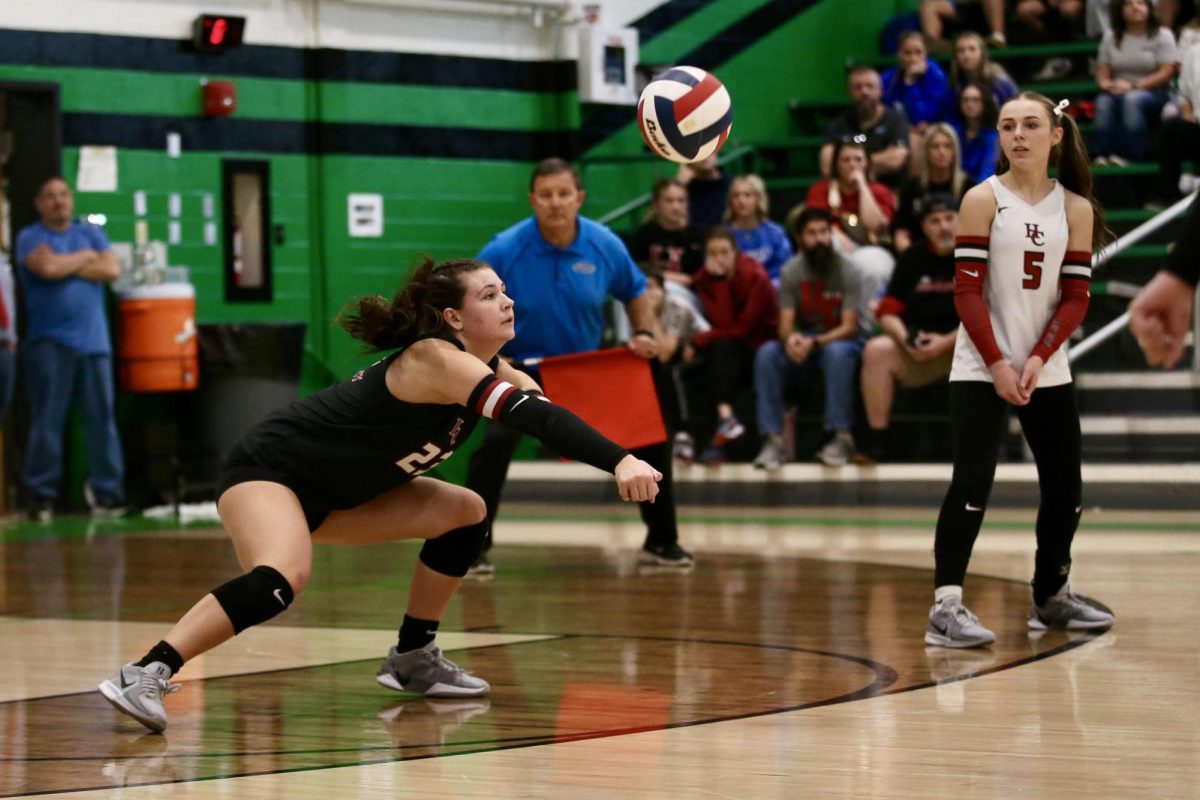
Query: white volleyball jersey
1024, 260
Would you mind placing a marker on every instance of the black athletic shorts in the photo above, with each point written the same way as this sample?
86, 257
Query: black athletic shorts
240, 466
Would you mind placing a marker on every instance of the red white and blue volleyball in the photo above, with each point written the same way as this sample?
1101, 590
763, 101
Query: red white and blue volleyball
685, 114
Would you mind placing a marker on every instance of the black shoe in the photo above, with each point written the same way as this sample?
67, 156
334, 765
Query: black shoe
871, 447
665, 555
40, 511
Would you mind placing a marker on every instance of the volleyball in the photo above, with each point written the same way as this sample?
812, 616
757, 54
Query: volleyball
685, 114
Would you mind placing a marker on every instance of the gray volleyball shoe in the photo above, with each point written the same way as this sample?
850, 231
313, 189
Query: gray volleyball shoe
427, 672
138, 692
1065, 610
951, 624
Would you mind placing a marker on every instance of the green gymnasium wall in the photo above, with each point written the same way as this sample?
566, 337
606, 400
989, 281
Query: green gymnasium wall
443, 206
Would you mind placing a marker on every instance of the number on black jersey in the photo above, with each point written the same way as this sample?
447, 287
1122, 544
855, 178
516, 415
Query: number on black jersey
424, 460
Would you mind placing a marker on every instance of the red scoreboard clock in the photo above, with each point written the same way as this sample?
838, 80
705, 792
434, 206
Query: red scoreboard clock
214, 33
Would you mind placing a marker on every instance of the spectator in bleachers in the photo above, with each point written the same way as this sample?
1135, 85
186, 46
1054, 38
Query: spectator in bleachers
1179, 137
943, 173
819, 300
973, 64
917, 87
883, 131
707, 187
918, 320
862, 208
938, 15
1136, 63
666, 242
976, 129
679, 320
743, 312
757, 236
1099, 15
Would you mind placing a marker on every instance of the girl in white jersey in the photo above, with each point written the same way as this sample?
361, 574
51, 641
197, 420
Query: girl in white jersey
1023, 264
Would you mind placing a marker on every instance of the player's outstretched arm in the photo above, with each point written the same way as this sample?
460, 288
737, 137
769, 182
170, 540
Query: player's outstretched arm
438, 372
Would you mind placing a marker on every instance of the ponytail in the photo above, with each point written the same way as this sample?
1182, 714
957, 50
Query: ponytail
415, 311
1069, 157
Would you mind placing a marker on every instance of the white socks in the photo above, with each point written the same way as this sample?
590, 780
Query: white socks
943, 592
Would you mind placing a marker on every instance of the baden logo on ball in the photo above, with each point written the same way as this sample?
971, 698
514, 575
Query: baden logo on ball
685, 114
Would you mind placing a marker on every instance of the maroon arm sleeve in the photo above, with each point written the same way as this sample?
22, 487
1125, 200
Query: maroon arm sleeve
1073, 298
970, 268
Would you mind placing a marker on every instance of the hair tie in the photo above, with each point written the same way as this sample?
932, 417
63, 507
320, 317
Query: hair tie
1062, 105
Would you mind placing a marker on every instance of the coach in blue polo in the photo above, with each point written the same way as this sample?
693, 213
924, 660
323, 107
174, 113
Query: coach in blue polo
559, 268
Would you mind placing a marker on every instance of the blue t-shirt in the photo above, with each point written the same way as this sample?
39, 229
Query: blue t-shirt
560, 293
767, 244
68, 311
979, 154
921, 101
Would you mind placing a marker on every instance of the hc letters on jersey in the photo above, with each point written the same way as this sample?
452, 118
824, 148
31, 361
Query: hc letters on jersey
1034, 234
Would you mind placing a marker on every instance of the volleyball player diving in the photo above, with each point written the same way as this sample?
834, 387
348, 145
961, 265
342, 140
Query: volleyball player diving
1023, 266
343, 466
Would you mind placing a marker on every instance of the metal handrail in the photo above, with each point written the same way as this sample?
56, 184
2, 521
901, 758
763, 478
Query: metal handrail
1111, 251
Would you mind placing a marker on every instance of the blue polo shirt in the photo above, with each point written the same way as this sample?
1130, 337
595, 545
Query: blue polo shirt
560, 293
68, 311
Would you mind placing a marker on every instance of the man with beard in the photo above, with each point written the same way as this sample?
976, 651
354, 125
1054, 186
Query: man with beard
919, 323
883, 130
820, 296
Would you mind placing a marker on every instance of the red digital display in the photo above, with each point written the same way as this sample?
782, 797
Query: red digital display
216, 32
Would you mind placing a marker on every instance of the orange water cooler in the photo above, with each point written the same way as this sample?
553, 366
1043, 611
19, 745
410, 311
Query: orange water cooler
157, 346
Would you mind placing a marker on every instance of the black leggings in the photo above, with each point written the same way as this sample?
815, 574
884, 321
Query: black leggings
1051, 426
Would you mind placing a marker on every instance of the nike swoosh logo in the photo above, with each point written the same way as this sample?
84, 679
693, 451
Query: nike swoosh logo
279, 596
125, 684
524, 397
973, 508
940, 629
971, 273
1001, 208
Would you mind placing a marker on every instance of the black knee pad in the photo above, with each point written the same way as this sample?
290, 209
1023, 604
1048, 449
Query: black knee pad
254, 597
455, 551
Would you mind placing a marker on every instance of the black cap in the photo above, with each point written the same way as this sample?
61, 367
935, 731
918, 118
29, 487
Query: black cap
935, 202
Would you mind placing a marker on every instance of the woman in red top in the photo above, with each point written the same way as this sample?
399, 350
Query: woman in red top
862, 208
740, 303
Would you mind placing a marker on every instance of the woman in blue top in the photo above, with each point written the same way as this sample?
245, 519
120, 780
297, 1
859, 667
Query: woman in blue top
917, 87
758, 237
976, 129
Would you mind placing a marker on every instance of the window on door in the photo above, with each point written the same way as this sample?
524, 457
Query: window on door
246, 186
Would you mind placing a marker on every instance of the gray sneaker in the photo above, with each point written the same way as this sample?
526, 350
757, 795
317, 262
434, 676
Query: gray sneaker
1072, 612
137, 691
773, 455
951, 624
838, 450
427, 672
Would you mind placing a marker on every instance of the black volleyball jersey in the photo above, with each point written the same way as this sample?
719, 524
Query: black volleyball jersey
355, 440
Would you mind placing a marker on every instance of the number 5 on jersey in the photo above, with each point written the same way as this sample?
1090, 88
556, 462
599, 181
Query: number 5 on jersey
1033, 270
